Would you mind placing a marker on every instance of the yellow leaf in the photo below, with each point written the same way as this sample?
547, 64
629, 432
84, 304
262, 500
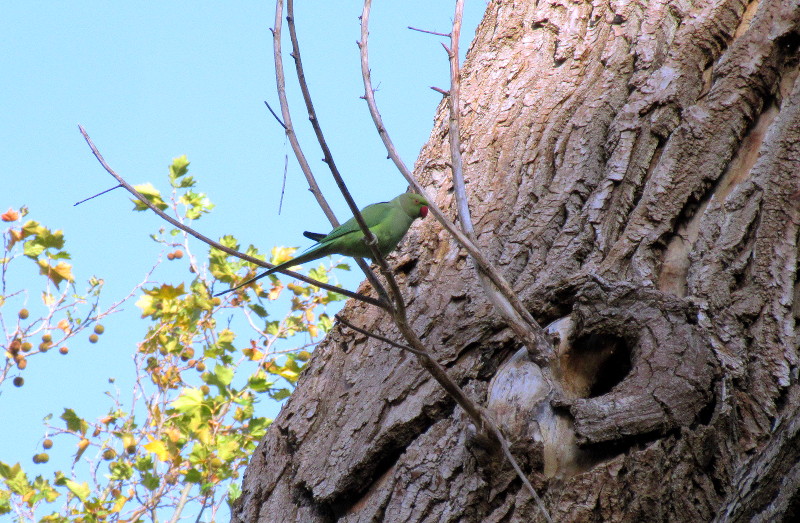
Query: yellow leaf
48, 298
62, 271
158, 448
282, 254
82, 445
275, 292
64, 326
119, 503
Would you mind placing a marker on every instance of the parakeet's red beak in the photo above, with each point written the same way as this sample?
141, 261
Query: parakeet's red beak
423, 211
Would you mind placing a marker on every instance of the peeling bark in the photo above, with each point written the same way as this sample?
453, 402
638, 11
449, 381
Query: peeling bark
632, 169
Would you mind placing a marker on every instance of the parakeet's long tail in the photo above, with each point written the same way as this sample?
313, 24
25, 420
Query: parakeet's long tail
311, 254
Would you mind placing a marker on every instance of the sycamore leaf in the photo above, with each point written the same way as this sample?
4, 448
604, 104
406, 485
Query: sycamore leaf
152, 194
158, 448
280, 394
282, 254
189, 402
62, 271
145, 303
166, 292
10, 215
81, 490
15, 477
179, 167
74, 422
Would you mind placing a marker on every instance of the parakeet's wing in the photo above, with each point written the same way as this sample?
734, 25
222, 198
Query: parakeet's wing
373, 215
316, 236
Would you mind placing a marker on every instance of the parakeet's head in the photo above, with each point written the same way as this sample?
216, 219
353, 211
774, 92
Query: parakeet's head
413, 204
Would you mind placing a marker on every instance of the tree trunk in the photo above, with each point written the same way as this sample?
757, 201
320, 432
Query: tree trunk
632, 168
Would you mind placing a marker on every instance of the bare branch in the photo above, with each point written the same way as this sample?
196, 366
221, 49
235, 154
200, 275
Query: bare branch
328, 157
446, 35
96, 195
275, 115
377, 336
440, 91
280, 82
217, 245
534, 338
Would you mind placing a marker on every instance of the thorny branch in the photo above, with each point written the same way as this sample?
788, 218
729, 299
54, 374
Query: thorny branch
217, 245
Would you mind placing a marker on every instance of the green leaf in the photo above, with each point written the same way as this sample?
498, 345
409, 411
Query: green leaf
150, 481
150, 193
280, 394
258, 426
319, 273
81, 490
74, 422
193, 476
178, 168
259, 383
324, 322
224, 375
260, 311
189, 402
234, 492
16, 479
120, 470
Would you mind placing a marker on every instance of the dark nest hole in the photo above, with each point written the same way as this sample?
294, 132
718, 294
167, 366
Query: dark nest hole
596, 363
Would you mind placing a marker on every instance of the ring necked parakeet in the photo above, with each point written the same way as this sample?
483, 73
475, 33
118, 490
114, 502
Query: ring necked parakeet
388, 221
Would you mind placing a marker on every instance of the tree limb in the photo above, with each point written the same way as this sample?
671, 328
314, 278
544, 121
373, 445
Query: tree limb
535, 339
328, 157
217, 245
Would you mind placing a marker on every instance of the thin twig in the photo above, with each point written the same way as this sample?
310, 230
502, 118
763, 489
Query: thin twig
181, 503
534, 338
283, 185
96, 195
217, 245
500, 302
377, 336
479, 416
275, 115
440, 91
323, 144
446, 35
280, 82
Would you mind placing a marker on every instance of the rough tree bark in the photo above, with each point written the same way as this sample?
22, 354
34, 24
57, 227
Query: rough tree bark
632, 168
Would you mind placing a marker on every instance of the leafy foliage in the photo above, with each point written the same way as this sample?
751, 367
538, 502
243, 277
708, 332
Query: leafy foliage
189, 427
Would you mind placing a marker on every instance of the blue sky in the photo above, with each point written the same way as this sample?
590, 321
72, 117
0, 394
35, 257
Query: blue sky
152, 81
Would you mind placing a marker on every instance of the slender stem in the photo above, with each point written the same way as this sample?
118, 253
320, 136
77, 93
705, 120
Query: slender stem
429, 32
526, 332
479, 416
181, 503
217, 245
280, 81
538, 345
323, 144
376, 336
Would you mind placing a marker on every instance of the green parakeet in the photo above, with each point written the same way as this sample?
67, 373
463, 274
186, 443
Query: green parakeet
388, 221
